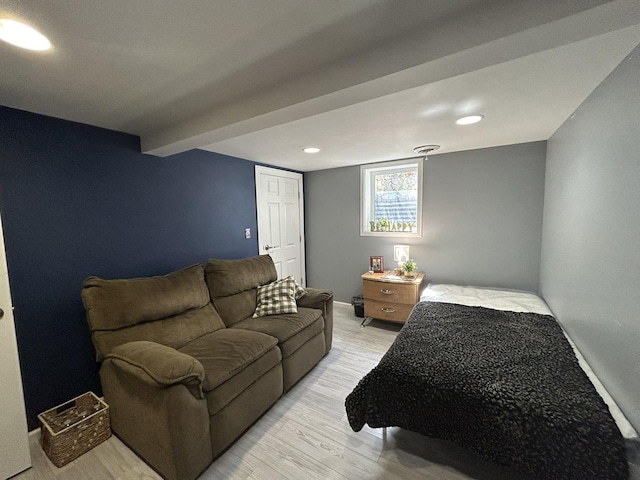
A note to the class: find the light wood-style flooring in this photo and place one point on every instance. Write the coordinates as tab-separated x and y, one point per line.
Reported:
305	435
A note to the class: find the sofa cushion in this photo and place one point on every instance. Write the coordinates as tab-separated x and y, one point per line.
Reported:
114	304
232	360
233	285
292	330
171	310
225	353
276	298
228	277
224	394
236	307
173	331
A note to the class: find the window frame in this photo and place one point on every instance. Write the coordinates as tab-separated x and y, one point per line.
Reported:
366	195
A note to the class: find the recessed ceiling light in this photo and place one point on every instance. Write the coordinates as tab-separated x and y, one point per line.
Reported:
22	35
469	120
311	150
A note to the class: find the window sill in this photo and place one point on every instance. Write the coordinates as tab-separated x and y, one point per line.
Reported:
391	234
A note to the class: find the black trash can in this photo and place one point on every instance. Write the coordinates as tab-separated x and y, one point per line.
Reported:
358	305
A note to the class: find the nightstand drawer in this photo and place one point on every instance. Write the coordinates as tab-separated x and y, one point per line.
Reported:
390	292
394	312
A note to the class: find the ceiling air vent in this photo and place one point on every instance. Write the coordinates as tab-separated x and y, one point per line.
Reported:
425	149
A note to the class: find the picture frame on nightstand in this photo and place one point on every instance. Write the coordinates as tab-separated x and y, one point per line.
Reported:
376	264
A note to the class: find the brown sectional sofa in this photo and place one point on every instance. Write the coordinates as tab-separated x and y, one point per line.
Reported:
186	369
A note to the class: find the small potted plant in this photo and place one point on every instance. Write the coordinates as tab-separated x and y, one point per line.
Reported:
409	268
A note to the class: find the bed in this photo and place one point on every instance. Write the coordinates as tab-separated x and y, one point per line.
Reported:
493	371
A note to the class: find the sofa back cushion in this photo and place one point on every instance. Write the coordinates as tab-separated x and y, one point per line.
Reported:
233	285
173	309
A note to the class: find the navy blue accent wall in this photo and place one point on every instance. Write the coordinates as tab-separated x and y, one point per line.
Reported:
78	200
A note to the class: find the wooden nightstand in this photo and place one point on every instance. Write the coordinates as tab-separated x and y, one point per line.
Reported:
389	297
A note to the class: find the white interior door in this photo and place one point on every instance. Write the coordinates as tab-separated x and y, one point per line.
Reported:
14	443
279	200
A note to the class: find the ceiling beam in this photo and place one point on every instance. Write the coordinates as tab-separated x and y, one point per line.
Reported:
494	33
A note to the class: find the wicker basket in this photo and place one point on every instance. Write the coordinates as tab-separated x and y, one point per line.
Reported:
73	428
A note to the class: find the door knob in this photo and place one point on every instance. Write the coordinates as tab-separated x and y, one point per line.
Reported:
268	247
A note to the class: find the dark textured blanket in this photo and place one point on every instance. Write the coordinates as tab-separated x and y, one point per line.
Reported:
506	385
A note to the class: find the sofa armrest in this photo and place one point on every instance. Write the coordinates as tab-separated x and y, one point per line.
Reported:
323	300
314	298
158	365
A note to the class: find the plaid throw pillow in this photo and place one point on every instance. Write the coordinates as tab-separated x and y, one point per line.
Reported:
277	297
300	291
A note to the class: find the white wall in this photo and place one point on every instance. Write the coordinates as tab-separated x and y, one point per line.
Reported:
482	218
590	262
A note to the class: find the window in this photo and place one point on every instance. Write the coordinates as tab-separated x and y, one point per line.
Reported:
391	198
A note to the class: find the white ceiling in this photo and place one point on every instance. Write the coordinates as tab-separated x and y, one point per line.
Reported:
364	80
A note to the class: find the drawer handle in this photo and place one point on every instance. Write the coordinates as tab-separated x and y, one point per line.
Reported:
387	310
387	292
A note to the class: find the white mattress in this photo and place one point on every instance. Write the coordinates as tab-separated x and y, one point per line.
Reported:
516	301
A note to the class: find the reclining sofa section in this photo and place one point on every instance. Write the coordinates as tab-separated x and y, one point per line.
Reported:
186	369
